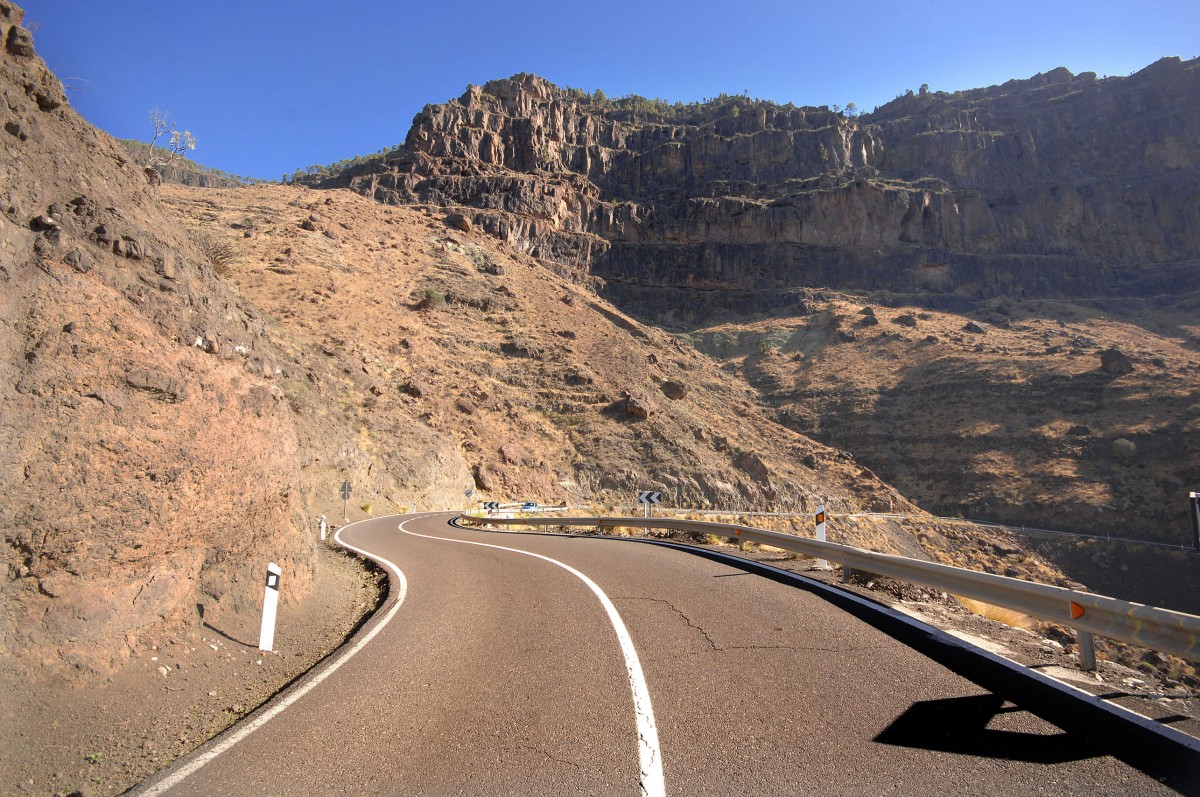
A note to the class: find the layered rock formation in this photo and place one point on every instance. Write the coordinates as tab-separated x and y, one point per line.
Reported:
1056	186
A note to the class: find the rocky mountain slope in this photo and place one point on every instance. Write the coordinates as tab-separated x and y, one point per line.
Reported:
1020	230
1058	186
191	373
1008	414
146	469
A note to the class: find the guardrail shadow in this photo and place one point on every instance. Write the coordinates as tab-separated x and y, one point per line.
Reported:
959	725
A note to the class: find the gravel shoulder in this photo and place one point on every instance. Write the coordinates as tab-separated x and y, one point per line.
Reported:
172	696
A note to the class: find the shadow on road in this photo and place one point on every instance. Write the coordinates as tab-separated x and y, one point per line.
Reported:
959	725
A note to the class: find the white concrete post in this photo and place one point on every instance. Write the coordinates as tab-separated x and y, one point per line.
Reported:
324	527
822	564
266	635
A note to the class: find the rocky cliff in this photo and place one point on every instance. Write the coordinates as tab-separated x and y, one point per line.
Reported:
1056	186
149	460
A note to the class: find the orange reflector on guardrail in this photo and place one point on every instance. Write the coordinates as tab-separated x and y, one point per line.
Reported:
1076	611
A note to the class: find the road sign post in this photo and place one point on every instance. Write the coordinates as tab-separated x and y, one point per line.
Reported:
346	500
649	499
266	634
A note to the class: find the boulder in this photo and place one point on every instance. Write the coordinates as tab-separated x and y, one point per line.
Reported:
485	478
675	390
972	326
513	454
78	261
414	388
459	222
1114	361
753	465
640	406
20	42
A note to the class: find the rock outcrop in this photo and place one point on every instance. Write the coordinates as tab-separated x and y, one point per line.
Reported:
1055	186
149	458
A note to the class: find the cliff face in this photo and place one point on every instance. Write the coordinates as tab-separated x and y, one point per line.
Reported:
1056	186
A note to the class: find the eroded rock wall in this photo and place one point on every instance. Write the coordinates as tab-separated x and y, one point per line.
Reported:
149	460
1056	186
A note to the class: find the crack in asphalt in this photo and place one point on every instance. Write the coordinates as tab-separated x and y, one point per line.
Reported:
726	648
683	616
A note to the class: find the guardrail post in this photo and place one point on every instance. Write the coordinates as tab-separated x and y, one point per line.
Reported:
1087	650
1195	500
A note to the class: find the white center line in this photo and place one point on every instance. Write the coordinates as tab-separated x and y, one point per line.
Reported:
652	782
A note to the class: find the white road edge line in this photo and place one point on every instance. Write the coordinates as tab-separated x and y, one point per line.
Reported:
241	731
652	782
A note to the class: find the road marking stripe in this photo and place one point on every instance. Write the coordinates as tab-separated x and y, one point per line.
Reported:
240	731
652	782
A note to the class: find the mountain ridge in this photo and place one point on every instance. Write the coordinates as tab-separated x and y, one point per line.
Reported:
763	202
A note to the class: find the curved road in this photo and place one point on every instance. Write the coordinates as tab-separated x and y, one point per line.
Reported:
504	673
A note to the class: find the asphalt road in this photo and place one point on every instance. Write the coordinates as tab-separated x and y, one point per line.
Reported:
503	673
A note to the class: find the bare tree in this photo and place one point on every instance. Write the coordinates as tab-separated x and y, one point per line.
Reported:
176	144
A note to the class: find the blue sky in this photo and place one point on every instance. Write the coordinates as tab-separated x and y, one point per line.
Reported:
268	87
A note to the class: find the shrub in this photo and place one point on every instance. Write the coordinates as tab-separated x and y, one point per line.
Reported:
1124	450
367	508
220	250
432	300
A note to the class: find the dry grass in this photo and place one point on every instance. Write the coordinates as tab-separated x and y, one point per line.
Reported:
1009	617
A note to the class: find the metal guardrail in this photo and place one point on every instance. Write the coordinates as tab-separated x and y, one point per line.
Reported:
1163	630
990	524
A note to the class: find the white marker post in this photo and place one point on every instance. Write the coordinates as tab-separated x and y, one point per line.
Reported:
324	527
822	564
266	636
